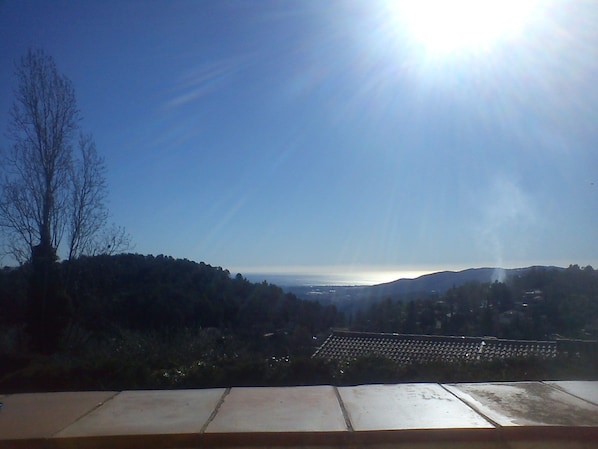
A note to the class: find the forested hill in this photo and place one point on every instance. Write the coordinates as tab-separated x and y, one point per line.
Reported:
147	293
537	303
133	321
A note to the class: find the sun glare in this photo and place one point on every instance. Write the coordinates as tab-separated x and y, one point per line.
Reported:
444	26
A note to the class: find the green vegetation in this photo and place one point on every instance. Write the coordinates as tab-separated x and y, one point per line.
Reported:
156	322
540	304
141	321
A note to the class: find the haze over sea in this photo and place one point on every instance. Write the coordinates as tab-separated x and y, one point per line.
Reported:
326	277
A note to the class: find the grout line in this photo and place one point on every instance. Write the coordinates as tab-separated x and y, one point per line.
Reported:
343	410
91	410
562	390
499	429
215	411
474	408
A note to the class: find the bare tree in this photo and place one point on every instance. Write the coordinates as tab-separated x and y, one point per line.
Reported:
88	195
88	232
112	240
43	119
48	192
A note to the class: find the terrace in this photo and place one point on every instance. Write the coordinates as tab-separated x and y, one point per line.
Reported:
428	415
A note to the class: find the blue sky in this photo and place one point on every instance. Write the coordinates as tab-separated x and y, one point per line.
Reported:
286	136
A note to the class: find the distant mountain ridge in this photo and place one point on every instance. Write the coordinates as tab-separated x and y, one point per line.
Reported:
438	282
441	281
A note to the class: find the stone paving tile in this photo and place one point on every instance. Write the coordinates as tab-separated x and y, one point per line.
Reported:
284	409
31	416
531	404
587	390
421	416
151	419
407	406
148	413
273	417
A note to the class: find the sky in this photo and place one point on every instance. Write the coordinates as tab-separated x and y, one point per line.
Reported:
280	136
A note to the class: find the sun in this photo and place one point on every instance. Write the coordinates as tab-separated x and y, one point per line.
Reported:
446	26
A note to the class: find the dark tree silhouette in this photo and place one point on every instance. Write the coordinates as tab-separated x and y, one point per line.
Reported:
47	192
35	186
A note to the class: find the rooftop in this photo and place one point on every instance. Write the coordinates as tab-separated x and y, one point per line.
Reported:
406	348
427	415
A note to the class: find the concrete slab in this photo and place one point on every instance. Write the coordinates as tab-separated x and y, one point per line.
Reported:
171	418
530	412
530	404
407	406
414	415
587	390
273	416
32	416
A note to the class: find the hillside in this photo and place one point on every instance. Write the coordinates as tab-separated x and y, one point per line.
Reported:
133	321
356	297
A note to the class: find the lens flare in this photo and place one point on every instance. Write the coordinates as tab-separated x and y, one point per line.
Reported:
442	26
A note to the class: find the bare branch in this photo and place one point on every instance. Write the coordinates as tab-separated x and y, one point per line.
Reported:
88	195
112	240
47	192
44	116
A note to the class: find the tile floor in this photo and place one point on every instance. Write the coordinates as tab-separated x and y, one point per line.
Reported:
521	415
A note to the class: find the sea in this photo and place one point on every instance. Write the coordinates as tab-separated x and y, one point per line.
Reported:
336	279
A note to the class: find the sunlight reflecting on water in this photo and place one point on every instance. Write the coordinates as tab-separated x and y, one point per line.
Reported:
326	276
